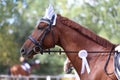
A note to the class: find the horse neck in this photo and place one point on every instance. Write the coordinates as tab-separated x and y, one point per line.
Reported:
72	40
74	36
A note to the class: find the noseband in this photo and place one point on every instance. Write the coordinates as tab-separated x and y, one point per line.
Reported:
38	44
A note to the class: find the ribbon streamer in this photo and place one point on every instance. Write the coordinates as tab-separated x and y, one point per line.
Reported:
83	54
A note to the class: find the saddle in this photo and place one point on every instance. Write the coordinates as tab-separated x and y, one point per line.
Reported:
117	64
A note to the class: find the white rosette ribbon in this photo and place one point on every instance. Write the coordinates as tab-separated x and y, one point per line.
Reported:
83	54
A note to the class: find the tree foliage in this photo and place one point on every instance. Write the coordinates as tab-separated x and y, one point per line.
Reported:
19	17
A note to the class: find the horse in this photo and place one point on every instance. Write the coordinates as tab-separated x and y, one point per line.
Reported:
23	69
54	29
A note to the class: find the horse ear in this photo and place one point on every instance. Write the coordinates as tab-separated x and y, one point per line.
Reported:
49	13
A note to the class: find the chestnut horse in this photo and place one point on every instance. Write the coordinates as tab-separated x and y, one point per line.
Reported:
71	36
22	69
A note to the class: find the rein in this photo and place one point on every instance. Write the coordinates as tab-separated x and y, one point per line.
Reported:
62	51
107	62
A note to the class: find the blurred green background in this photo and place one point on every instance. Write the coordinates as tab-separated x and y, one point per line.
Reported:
19	17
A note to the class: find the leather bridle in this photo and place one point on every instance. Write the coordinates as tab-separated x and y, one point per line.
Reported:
38	44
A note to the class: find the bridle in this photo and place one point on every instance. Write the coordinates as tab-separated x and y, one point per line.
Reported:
38	44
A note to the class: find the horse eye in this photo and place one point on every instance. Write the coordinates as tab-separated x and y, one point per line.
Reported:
41	28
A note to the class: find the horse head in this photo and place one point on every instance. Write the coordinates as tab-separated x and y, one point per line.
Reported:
44	35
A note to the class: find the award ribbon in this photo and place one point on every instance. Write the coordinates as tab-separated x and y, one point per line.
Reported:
83	54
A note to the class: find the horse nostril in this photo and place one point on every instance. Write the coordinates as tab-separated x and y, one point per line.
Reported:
22	51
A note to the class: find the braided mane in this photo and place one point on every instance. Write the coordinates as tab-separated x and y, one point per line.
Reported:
84	31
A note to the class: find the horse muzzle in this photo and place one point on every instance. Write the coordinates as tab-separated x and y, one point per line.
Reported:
27	54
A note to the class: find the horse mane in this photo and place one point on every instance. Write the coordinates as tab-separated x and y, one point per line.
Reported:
84	31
